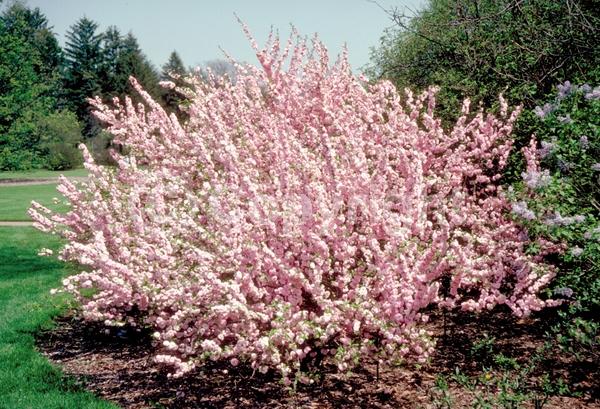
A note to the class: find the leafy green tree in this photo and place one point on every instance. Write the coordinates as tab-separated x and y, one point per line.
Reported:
82	71
32	26
60	134
479	48
27	85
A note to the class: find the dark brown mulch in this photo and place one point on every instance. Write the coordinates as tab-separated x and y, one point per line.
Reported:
117	366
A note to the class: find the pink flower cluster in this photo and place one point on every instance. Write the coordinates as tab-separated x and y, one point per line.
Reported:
299	214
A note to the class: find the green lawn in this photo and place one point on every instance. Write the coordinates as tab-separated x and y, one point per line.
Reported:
27	379
15	200
42	174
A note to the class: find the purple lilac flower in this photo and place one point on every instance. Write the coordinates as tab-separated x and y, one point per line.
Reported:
565	119
596	166
545	110
546	149
584	142
576	251
565	89
585	88
564	292
537	180
524	236
558	220
593	94
564	166
521	210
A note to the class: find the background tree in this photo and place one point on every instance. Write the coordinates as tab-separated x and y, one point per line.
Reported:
82	78
122	58
29	85
219	68
112	82
174	71
133	62
483	47
60	135
40	85
32	26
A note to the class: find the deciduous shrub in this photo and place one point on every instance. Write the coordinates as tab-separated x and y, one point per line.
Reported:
60	134
300	215
480	48
560	201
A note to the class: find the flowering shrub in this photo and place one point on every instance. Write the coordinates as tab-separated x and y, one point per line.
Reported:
559	192
300	215
563	205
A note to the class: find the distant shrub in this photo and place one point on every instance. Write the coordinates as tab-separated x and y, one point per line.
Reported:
16	160
60	134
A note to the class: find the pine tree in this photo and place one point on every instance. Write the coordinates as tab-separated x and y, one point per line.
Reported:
175	72
82	71
121	59
173	68
133	62
113	82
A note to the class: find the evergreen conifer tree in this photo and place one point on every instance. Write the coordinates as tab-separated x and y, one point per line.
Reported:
133	62
113	82
82	70
175	72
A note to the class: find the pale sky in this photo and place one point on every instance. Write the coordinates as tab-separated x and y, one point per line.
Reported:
197	28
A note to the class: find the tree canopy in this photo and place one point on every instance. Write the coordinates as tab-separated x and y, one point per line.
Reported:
29	69
484	47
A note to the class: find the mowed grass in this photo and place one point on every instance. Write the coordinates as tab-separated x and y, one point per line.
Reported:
15	200
27	379
43	174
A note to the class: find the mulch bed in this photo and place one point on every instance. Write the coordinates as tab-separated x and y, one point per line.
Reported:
119	368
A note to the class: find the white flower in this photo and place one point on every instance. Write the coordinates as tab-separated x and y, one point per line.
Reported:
45	252
170	345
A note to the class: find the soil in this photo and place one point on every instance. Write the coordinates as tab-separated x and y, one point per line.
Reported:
117	365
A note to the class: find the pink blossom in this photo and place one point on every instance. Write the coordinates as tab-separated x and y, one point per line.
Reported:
298	209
